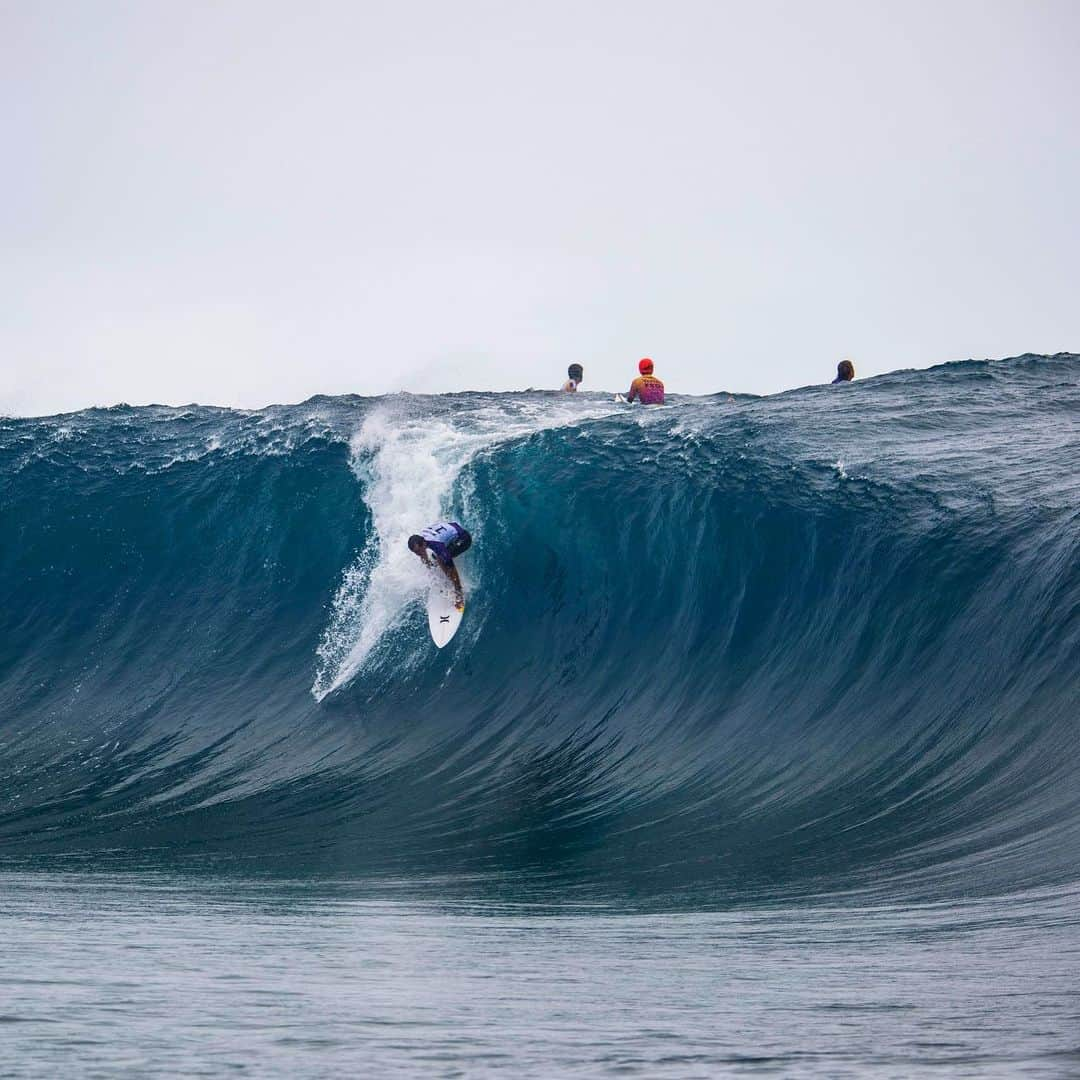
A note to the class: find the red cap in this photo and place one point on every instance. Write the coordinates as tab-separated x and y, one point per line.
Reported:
645	366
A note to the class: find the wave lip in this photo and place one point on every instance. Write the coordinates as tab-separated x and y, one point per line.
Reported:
724	651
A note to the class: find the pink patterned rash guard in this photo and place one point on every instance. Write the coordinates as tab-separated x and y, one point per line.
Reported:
647	389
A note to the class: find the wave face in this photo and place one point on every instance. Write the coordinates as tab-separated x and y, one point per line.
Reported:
723	651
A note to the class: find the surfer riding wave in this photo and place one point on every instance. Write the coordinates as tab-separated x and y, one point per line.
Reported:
445	540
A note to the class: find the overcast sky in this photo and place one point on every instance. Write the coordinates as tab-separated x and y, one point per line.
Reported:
248	201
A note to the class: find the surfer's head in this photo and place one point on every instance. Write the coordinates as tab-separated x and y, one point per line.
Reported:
845	370
576	372
417	544
645	366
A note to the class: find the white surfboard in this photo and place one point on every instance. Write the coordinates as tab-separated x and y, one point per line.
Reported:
443	617
619	398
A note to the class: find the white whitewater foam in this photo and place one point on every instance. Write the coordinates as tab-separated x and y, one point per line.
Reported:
408	466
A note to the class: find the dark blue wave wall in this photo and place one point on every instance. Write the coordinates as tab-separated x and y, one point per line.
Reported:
828	640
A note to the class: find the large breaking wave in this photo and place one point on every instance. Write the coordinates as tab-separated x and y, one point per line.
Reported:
728	649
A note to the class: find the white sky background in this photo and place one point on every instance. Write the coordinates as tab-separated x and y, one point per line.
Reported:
255	201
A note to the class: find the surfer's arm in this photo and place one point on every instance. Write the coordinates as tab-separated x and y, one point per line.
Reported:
632	392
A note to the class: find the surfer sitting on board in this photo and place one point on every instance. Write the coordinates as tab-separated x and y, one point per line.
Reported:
647	389
575	373
445	540
845	372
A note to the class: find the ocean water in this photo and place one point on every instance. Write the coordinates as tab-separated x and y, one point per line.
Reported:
756	752
156	976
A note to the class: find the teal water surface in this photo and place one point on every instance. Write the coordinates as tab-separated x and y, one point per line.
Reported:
151	976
